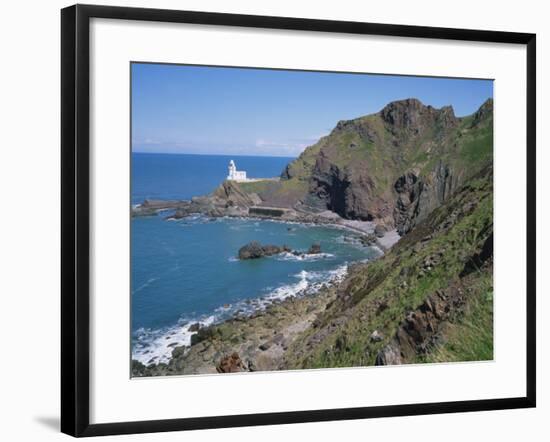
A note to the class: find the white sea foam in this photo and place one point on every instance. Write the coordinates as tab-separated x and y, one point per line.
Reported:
303	257
348	239
239	227
289	290
157	346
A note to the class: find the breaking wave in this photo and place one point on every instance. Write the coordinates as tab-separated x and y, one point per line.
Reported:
156	346
303	256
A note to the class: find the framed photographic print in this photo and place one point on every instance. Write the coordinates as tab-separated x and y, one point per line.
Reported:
314	220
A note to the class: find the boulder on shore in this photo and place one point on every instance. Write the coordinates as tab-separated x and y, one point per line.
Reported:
194	327
379	231
368	239
202	334
254	250
389	355
231	364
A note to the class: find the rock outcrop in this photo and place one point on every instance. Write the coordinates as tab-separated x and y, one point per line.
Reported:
254	250
423	329
231	194
415	118
315	249
417	196
231	364
152	207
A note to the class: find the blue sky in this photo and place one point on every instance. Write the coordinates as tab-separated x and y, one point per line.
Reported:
210	110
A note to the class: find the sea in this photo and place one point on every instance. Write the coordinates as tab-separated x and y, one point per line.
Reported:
186	272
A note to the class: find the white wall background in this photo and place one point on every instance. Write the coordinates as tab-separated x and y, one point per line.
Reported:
29	222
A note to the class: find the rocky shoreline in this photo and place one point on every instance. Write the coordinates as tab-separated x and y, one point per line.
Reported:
371	233
255	342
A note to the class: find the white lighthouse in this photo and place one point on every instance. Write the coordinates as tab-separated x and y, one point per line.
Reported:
234	174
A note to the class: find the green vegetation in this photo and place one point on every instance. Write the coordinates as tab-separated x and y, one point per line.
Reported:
476	150
471	338
301	167
258	187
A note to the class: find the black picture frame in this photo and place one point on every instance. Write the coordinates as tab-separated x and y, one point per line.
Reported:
75	212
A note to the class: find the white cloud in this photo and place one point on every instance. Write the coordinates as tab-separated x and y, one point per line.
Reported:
147	141
259	147
293	147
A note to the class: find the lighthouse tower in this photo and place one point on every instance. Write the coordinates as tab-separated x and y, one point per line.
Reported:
234	174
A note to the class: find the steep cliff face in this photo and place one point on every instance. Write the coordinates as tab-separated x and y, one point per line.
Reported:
394	166
348	191
465	151
230	193
417	196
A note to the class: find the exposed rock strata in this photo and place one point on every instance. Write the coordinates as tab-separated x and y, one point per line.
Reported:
418	196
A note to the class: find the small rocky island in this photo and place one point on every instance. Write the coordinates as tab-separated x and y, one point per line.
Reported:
254	250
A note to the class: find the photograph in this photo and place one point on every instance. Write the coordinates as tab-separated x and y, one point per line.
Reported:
290	220
275	221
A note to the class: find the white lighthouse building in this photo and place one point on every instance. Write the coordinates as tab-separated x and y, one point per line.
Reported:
234	174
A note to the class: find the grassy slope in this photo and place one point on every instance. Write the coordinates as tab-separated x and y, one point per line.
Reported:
399	282
278	193
471	146
471	338
257	186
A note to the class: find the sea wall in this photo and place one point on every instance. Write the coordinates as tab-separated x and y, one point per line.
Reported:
275	212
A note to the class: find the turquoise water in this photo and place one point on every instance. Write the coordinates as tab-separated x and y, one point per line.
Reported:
185	271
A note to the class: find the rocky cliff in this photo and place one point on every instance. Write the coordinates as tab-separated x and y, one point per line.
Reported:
394	166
